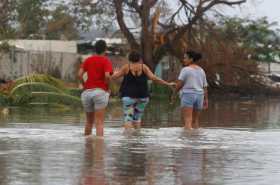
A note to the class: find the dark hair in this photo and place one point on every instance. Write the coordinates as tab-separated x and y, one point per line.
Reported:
100	46
195	56
134	56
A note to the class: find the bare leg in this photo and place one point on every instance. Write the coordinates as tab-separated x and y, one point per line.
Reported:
99	147
187	115
99	121
195	118
94	172
137	125
128	128
128	125
89	123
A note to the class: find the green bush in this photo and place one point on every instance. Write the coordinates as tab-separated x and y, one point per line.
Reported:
74	92
114	87
160	90
4	100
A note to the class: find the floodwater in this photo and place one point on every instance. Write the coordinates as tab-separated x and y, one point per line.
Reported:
238	144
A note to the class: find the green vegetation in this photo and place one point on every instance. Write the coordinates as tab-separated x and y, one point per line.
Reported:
30	16
160	91
47	79
40	89
44	19
231	46
257	35
4	99
232	49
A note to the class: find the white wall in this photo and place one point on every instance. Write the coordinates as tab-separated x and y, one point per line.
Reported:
20	63
274	67
46	45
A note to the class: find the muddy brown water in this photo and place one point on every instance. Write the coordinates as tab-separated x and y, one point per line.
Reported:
238	144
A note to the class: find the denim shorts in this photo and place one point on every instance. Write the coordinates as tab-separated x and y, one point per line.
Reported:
94	99
133	109
192	100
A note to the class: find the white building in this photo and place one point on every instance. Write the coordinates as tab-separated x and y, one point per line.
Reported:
111	41
45	45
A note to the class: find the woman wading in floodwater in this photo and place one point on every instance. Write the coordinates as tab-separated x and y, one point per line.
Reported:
192	85
134	89
95	96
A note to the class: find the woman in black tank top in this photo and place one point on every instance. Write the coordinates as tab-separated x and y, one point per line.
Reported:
133	85
134	89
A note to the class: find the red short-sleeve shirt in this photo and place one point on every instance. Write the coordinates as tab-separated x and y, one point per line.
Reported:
95	66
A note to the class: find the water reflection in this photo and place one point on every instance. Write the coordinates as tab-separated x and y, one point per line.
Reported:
238	144
200	162
190	167
254	113
130	161
153	156
94	172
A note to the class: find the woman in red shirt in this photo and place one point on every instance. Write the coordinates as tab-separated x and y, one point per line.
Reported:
95	96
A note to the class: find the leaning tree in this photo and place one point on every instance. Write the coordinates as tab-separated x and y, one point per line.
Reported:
157	26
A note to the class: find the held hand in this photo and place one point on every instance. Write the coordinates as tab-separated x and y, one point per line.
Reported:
172	99
81	86
172	85
110	92
117	70
205	104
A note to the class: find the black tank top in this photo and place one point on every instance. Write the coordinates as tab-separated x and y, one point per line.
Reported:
134	86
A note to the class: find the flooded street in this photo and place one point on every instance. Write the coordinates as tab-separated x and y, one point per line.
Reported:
238	144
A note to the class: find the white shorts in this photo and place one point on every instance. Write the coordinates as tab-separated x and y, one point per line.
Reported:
94	99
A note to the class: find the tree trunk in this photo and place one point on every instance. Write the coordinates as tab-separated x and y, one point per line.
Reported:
120	18
147	52
147	44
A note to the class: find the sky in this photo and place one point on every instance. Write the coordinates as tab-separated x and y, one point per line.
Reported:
252	9
260	8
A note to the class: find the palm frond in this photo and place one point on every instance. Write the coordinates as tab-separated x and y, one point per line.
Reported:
40	78
56	106
21	99
54	97
4	100
33	87
40	89
74	92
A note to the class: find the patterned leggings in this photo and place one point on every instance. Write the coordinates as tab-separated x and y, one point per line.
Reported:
134	108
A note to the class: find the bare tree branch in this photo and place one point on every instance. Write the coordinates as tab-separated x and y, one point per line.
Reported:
120	18
202	7
134	4
155	20
171	19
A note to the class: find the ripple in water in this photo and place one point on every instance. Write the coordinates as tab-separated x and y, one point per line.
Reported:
59	154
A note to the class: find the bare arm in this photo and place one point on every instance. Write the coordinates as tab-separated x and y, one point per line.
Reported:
80	75
205	102
107	77
153	77
179	85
